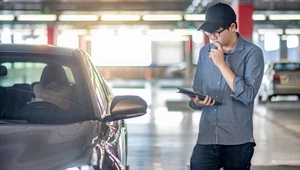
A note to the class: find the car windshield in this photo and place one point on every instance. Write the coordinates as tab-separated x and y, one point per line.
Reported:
41	89
287	66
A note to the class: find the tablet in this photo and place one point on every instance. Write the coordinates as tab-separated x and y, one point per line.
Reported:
192	93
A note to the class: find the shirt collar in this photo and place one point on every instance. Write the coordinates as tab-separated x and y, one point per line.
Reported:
238	46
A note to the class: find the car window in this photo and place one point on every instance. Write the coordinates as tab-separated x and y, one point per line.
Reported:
21	73
42	91
287	66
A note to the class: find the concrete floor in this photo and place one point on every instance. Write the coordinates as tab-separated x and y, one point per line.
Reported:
163	139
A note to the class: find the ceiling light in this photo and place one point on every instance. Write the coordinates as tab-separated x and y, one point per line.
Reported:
120	17
292	31
78	17
37	17
162	17
284	16
4	17
194	17
259	17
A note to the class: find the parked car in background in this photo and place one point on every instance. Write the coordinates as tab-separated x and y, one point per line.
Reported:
58	112
280	78
176	70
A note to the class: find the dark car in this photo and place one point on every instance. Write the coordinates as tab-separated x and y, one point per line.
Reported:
280	78
57	112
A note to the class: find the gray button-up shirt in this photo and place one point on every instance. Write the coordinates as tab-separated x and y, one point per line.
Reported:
232	122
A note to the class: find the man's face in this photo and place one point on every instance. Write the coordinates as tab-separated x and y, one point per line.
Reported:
221	36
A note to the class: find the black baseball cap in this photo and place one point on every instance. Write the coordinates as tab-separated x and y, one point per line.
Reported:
217	16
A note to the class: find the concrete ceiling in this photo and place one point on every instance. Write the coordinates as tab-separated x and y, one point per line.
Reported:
141	7
58	6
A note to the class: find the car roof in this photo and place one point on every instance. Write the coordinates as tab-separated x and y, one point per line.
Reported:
42	49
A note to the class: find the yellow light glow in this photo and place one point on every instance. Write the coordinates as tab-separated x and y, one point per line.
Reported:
7	17
78	17
37	17
162	17
284	16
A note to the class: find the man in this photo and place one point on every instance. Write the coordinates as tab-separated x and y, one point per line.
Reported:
230	71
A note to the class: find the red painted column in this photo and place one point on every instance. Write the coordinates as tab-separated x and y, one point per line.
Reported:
50	35
244	12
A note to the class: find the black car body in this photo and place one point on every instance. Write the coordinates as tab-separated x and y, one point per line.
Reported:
58	112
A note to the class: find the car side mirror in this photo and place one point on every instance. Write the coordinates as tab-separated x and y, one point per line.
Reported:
3	71
125	107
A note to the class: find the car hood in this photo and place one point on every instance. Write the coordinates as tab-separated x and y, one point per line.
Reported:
42	147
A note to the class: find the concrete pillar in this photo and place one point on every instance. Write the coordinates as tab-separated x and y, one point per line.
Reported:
244	11
283	47
189	59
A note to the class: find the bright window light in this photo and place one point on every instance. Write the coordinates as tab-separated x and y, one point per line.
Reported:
198	37
271	41
292	41
18	38
6	36
121	50
40	40
68	40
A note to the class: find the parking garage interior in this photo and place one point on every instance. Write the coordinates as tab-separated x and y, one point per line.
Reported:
151	47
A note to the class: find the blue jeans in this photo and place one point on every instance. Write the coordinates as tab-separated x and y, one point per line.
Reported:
214	157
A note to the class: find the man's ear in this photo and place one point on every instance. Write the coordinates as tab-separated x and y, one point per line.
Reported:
232	27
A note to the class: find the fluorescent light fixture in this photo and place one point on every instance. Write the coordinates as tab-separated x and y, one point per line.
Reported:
264	31
78	17
194	17
292	31
37	17
162	17
4	17
284	16
120	17
259	17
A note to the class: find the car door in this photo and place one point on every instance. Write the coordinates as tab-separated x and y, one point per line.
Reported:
111	132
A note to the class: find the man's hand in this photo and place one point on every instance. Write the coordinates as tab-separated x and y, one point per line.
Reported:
217	55
202	103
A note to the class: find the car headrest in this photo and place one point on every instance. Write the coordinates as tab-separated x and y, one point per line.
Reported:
3	70
54	73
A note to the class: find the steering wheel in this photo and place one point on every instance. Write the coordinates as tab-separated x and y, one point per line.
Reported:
42	112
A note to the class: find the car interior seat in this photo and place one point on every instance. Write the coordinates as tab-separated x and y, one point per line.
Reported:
54	87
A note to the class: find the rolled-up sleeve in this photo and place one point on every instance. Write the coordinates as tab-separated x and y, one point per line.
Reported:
246	88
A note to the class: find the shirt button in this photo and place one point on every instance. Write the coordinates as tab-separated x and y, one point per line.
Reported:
215	110
218	82
217	96
214	123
